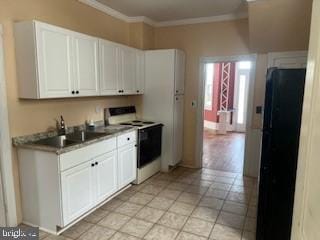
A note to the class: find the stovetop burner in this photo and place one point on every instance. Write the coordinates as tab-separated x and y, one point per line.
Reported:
136	121
125	123
148	122
137	125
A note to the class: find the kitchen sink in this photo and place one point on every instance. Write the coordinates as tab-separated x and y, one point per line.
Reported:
70	139
82	136
58	142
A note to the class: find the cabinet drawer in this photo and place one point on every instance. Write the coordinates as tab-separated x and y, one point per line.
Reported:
76	157
127	138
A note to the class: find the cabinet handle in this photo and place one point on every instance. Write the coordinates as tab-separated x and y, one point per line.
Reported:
96	163
128	139
177	91
177	99
77	92
92	164
138	91
119	91
72	92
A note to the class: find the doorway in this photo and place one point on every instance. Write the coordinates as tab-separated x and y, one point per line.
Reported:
226	91
225	111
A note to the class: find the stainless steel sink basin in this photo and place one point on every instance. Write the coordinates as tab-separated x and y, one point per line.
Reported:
58	142
82	136
70	139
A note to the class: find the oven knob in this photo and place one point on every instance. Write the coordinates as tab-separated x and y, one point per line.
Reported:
128	139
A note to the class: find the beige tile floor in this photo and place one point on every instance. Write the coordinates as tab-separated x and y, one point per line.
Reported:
185	204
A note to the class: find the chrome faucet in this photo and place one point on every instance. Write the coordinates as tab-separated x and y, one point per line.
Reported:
62	127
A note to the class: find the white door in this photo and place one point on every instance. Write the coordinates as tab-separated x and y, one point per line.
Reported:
106	175
86	65
140	72
241	89
54	55
127	70
109	68
179	72
177	129
127	165
77	191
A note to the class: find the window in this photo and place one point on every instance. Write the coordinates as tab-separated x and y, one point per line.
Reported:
241	101
209	86
244	65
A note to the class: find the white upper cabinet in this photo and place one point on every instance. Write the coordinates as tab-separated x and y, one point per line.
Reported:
140	71
109	65
127	83
53	62
86	65
179	72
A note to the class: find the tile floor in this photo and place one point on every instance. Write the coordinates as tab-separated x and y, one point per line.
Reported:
185	204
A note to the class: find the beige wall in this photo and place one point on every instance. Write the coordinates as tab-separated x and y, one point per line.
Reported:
30	116
279	25
201	40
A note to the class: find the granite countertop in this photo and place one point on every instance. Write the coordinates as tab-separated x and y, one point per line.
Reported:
29	141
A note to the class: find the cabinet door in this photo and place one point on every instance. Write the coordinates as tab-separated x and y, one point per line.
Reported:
77	191
127	70
86	65
106	175
54	56
140	72
178	129
179	72
109	64
127	165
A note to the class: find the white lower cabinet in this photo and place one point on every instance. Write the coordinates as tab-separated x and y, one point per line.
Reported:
57	190
88	184
127	164
106	175
77	191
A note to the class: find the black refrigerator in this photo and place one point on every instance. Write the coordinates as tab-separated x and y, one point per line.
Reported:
280	145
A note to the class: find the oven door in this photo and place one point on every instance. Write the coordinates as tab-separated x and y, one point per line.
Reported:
149	147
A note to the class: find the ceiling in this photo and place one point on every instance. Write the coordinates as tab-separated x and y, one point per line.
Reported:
172	10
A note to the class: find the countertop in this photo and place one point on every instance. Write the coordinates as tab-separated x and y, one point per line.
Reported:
28	142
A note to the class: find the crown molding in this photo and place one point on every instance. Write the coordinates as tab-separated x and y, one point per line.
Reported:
187	21
116	14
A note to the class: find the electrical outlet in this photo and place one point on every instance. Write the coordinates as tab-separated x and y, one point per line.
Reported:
98	109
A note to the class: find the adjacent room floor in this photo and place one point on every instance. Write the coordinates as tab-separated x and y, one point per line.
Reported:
223	152
185	204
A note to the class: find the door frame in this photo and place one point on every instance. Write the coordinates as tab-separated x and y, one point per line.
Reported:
201	91
9	194
309	129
